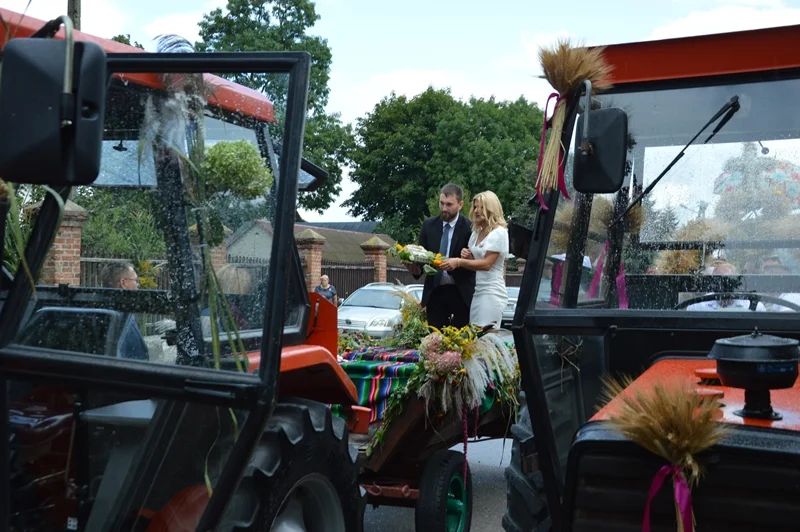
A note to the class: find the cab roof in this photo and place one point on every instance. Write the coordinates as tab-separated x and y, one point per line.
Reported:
227	95
720	54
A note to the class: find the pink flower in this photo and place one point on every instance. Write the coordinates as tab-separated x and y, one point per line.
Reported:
443	363
431	343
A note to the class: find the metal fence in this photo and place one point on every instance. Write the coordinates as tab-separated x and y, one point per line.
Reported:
347	277
91	268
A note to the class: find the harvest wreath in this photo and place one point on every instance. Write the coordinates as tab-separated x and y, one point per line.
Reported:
463	369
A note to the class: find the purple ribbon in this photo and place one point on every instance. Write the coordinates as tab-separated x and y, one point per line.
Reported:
683	496
622	289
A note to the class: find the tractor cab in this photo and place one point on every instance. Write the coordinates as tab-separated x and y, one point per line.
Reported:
692	246
150	284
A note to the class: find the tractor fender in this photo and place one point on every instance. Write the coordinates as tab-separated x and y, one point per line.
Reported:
311	372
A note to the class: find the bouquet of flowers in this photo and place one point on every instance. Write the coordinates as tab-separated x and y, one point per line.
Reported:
415	254
461	364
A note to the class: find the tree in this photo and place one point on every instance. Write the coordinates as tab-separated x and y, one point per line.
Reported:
390	163
490	145
408	148
126	39
281	25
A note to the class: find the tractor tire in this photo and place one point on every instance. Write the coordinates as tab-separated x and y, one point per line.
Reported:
526	501
445	498
302	473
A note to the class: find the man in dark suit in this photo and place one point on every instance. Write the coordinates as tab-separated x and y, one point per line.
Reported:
447	296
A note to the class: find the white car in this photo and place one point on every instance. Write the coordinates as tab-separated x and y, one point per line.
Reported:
373	309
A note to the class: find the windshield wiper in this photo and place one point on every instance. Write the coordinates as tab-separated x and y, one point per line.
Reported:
729	109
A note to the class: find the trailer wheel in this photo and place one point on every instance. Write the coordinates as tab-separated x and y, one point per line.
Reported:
526	502
445	498
303	475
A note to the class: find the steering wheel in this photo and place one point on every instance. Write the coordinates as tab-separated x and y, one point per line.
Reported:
753	297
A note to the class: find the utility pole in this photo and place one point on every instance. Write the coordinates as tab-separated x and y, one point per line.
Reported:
74	13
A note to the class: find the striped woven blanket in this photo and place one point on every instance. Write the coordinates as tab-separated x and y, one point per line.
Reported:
377	372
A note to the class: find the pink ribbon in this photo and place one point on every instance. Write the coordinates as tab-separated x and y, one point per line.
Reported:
594	287
555	285
562	184
683	496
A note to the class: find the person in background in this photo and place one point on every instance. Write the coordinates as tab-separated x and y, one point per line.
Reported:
722	267
119	275
774	266
327	290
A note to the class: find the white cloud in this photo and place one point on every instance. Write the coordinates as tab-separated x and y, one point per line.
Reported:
183	23
98	17
737	15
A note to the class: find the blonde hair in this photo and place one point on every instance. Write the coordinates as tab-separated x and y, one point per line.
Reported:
234	280
488	205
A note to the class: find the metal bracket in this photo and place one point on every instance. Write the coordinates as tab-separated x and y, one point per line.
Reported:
586	146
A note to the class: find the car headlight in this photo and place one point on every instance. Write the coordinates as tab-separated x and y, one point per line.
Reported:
379	322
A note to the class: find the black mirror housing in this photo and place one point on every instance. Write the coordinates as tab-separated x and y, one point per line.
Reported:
50	137
600	151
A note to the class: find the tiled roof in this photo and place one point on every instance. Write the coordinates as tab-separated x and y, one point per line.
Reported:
340	246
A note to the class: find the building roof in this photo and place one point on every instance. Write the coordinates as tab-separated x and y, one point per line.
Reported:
358	227
340	246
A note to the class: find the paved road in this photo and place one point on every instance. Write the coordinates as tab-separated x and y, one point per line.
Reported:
488	492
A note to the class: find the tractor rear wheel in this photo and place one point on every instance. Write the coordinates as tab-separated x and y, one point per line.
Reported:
526	506
303	476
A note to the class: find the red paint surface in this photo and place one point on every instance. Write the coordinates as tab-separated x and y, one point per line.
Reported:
226	94
786	402
705	55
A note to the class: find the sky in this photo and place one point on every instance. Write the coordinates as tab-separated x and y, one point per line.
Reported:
479	49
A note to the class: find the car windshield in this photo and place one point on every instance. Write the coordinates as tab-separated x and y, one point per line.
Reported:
167	254
370	297
720	224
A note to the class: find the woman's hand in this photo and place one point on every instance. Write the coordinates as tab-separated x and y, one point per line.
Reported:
466	253
449	265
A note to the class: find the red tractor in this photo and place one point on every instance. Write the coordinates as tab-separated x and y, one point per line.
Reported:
686	207
214	400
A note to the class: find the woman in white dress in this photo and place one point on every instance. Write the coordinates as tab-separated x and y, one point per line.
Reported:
486	256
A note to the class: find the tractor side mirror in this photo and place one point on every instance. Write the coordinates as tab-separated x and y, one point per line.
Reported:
600	149
52	108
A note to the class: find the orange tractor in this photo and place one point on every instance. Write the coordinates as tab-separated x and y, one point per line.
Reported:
202	403
686	206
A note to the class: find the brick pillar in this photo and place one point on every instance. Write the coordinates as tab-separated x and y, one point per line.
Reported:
309	245
218	254
375	251
63	262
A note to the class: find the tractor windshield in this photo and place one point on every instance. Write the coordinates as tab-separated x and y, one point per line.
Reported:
712	250
720	225
165	258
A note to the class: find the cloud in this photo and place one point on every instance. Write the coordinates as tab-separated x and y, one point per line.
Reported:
183	23
98	17
736	15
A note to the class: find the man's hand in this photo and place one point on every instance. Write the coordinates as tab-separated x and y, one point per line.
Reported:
466	253
449	265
